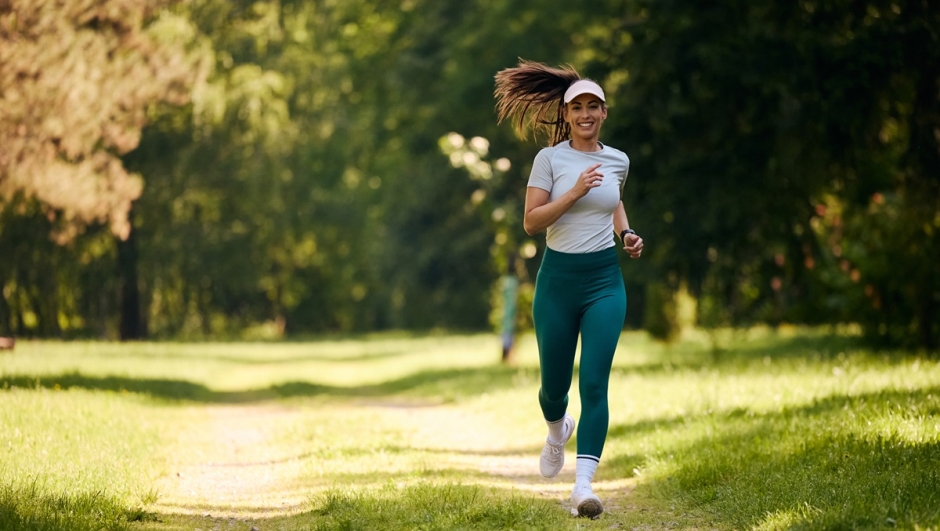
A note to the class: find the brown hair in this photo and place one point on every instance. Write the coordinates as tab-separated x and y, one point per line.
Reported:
535	87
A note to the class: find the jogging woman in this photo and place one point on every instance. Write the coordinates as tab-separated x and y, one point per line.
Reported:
573	193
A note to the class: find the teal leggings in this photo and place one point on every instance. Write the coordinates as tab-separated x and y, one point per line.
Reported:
579	294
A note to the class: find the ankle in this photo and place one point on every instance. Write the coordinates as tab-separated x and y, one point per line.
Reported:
580	484
557	431
586	468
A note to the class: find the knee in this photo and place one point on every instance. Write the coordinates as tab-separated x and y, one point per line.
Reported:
558	397
593	393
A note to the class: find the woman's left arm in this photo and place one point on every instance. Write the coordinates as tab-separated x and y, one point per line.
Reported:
632	243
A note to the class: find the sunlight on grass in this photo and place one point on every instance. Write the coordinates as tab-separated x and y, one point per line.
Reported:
841	431
30	507
773	430
207	368
71	440
785	519
427	506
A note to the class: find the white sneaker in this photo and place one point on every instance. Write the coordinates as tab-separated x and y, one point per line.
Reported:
585	502
553	454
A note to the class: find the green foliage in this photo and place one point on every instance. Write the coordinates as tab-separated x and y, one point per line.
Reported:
784	163
75	84
742	117
661	319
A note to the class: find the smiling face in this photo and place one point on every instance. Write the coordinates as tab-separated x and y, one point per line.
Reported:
585	114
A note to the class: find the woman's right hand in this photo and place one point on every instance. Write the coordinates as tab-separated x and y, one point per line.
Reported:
540	213
589	178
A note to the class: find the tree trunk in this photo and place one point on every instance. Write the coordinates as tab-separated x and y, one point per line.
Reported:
925	162
131	326
6	315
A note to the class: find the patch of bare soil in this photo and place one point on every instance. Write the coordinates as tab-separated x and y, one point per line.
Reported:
229	467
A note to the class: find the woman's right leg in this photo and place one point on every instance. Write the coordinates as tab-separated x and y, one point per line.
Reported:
556	330
557	326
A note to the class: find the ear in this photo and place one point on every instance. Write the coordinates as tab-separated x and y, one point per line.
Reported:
604	111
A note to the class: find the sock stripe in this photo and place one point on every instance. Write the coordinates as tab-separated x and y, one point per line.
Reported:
589	457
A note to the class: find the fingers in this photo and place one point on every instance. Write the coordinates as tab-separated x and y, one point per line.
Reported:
589	178
592	177
633	246
592	171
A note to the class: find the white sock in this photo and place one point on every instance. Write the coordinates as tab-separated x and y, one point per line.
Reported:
586	467
556	430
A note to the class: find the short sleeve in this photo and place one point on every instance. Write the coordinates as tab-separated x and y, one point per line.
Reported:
626	171
541	175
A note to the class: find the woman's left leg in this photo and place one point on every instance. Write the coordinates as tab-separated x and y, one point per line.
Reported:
601	325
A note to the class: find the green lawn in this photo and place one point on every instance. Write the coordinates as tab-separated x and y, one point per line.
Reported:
789	429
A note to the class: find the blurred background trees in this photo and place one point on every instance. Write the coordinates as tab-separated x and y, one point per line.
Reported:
335	166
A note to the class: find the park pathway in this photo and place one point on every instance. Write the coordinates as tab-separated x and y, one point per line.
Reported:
228	463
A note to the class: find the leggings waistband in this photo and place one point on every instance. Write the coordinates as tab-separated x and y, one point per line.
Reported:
554	262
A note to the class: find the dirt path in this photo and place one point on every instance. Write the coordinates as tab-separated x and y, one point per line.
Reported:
475	447
230	466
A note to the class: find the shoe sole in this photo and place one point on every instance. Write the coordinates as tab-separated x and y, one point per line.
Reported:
590	509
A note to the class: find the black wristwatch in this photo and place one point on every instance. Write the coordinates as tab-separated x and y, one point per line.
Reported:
625	232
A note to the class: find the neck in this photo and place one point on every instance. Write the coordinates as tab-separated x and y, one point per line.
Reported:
580	144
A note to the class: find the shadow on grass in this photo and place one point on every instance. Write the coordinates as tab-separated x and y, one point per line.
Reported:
812	347
818	466
753	354
448	383
171	354
420	505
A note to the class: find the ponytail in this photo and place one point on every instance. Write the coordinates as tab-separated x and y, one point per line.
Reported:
538	88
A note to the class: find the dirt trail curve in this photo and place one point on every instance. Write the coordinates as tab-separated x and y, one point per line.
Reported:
229	466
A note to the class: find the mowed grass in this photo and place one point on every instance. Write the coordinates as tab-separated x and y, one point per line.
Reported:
786	429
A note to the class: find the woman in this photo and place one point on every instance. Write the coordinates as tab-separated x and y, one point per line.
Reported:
573	193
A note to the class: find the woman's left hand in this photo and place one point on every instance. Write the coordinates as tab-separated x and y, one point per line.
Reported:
633	245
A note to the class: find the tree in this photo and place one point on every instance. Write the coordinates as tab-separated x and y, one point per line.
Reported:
76	78
766	132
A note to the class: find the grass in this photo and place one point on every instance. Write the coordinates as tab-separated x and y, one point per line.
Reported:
76	460
785	429
428	506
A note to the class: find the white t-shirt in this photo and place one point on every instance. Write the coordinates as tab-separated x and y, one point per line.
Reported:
588	226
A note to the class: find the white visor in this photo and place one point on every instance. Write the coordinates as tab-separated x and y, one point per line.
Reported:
584	86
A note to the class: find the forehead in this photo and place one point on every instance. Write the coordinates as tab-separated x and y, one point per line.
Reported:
584	99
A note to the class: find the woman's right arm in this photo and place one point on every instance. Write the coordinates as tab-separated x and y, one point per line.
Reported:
540	213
